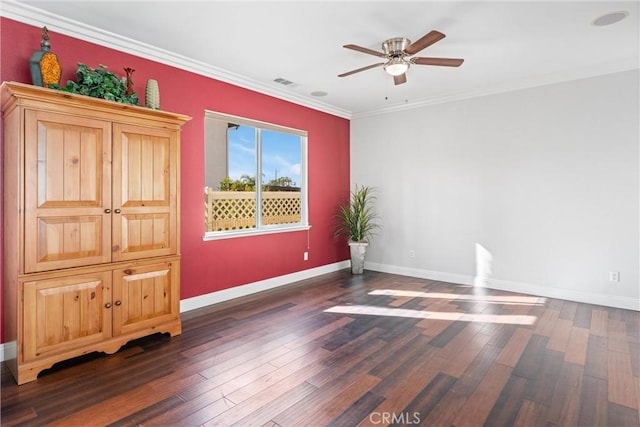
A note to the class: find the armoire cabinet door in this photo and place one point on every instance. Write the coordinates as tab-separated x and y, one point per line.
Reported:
61	314
67	191
144	192
145	296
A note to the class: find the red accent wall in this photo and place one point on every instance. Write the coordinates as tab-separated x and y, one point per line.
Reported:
215	265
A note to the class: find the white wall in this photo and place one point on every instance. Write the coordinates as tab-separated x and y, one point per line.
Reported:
534	190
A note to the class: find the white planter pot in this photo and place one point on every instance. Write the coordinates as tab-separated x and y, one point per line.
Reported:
358	251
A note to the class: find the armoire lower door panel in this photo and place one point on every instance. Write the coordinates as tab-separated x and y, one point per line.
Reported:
61	314
145	296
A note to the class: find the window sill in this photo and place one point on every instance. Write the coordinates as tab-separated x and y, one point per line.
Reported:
219	235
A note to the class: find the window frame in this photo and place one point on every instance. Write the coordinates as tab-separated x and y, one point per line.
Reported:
261	229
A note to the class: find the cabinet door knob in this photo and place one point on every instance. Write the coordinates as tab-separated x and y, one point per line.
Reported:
107	305
118	303
107	211
117	211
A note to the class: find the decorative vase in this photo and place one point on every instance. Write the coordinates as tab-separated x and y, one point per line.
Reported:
129	71
152	94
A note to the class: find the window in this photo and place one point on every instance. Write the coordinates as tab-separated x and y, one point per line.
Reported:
255	177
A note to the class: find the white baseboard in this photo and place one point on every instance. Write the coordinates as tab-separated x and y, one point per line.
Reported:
420	273
263	285
510	286
7	351
566	294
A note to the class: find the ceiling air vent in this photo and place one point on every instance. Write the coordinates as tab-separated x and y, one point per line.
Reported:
285	82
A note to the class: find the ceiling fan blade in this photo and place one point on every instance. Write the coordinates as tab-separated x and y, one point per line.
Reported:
398	80
445	62
427	40
365	50
368	67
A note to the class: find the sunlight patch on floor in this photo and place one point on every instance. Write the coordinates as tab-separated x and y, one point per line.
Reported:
492	299
434	315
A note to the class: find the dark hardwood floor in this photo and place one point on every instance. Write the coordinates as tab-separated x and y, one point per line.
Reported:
348	350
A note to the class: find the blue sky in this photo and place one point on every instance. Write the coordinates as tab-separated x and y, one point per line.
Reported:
280	154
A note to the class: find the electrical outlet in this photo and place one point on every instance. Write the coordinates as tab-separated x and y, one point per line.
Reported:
412	253
614	276
305	256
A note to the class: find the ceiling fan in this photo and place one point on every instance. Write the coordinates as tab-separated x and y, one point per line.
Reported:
397	51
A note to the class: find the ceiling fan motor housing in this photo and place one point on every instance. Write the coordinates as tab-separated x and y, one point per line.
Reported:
394	48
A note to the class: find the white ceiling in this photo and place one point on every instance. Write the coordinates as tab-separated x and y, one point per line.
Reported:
506	45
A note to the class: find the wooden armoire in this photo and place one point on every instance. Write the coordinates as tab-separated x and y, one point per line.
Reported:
91	225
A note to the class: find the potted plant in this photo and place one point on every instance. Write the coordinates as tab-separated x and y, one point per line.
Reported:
356	220
101	83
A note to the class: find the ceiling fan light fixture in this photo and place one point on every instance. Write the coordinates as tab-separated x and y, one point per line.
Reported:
396	66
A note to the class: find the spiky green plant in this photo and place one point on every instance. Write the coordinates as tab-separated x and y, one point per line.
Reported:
356	219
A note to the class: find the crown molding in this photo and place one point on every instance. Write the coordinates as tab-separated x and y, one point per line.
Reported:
37	17
544	80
